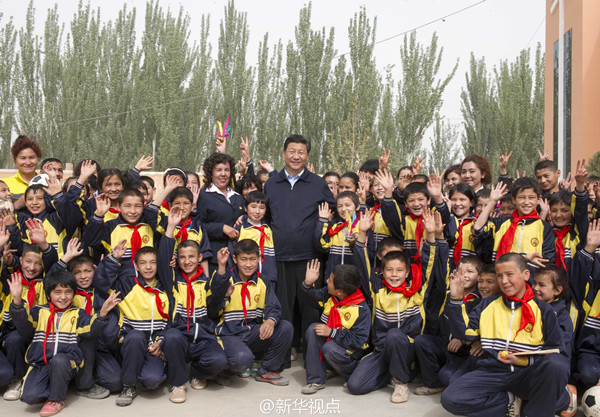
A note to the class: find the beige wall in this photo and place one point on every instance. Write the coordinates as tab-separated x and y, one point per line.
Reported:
582	17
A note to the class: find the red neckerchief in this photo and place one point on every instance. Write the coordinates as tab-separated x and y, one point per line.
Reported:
334	320
335	230
30	288
459	241
376	207
50	326
263	236
246	294
136	239
527	316
560	246
183	230
88	299
165	204
156	298
418	231
114	211
415	284
191	296
509	236
469	297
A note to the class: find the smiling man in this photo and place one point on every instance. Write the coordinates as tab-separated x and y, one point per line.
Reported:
294	197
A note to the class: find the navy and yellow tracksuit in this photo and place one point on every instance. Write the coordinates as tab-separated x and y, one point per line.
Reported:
575	238
267	267
191	318
403	227
345	346
332	239
143	320
468	239
531	236
241	318
496	322
54	356
397	320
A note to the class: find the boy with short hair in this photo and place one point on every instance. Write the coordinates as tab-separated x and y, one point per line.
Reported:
54	355
514	322
250	321
190	295
525	232
254	227
547	175
340	340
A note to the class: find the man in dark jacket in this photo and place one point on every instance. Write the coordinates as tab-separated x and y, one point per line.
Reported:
294	197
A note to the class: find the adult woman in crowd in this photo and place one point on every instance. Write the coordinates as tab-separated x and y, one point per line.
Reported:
26	154
475	170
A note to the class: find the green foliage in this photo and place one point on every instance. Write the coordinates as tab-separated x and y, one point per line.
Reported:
443	152
593	165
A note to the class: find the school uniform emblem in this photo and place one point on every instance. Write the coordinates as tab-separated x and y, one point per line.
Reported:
528	328
257	297
347	316
146	239
535	241
471	238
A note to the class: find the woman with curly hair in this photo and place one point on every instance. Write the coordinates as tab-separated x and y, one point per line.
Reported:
219	206
475	171
26	154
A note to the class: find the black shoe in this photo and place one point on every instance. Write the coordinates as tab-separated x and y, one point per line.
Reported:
126	396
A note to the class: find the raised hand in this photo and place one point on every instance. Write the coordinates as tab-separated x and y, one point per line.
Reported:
566	183
313	269
544	209
503	163
434	186
111	302
518	174
429	221
88	168
172	182
54	186
245	149
264	164
241	166
195	189
221	145
102	205
174	217
581	175
4	234
418	165
223	256
386	180
119	250
144	163
15	284
543	156
498	191
324	210
7	217
37	234
384	159
73	250
439	225
367	221
311	167
593	236
457	286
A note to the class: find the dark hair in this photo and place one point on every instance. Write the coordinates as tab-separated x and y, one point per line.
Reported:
257	197
246	246
525	183
30	247
396	255
137	183
483	165
506	198
81	260
193	174
262	171
421	177
388	242
472	260
518	259
545	164
212	161
59	279
557	197
149	180
349	194
559	279
346	278
45	161
246	182
331	174
416	188
181	192
144	250
297	139
353	177
484	193
130	192
24	142
370	165
488	269
175	171
34	187
190	244
466	190
93	179
507	181
107	173
449	170
402	169
66	186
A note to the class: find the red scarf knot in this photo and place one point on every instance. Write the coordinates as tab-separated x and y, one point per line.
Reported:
527	317
509	236
334	320
136	239
50	326
560	245
183	232
157	299
459	241
418	231
191	296
88	299
263	236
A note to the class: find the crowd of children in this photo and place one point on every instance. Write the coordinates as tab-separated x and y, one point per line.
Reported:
488	290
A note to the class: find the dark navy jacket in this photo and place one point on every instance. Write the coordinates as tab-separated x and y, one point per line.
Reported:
294	213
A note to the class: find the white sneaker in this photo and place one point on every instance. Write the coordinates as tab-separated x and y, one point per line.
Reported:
198	384
13	392
400	394
514	406
177	394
